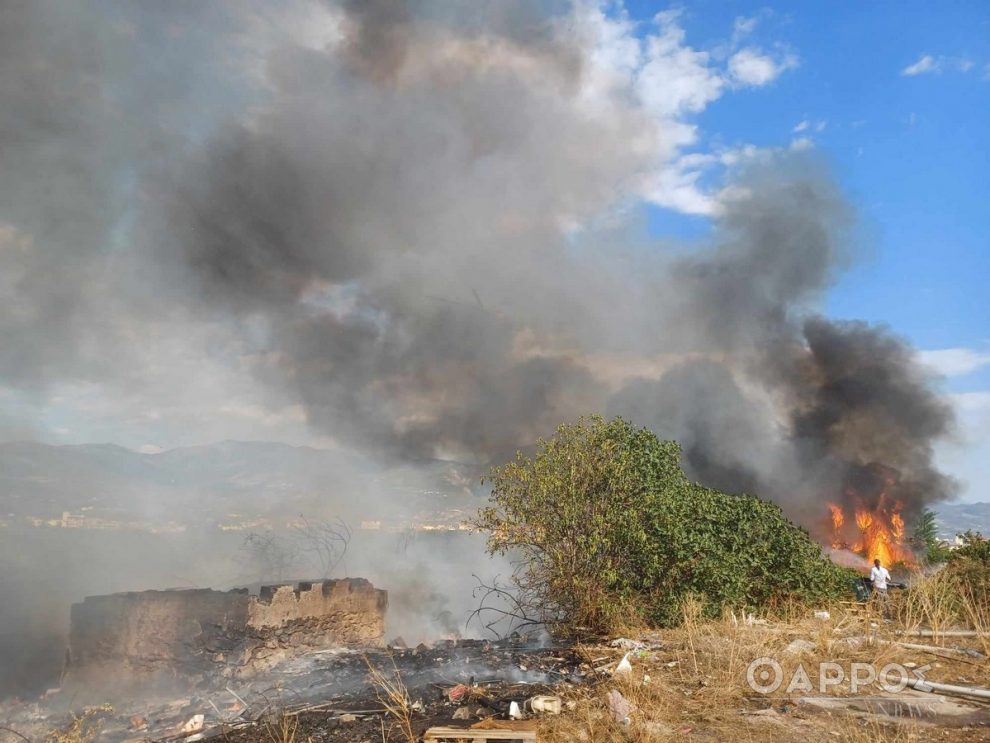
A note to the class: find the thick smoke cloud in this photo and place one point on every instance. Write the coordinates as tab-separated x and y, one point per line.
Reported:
54	208
416	221
796	407
415	228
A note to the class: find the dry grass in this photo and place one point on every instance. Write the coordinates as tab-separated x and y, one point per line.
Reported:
83	728
859	730
975	600
933	602
695	683
280	727
394	697
946	600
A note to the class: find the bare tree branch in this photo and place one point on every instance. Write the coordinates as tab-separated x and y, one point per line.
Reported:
326	541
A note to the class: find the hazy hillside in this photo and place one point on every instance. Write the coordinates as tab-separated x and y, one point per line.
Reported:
955	518
209	483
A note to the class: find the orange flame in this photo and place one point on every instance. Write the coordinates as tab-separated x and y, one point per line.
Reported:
897	526
838	518
878	538
864	519
879	532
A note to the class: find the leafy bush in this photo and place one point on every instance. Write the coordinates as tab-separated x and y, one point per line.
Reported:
604	528
974	547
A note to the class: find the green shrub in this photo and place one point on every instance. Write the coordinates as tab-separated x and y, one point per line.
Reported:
974	547
605	528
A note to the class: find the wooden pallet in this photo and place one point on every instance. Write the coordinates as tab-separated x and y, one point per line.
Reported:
483	735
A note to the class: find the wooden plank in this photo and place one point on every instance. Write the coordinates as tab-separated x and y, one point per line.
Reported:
479	735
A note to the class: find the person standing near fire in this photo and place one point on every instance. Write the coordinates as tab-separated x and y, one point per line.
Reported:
879	576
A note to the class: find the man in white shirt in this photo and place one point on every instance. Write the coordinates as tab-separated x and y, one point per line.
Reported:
879	576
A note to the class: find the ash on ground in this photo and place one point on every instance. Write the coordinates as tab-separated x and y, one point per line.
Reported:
330	694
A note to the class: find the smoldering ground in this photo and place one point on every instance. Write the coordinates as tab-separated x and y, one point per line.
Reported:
416	223
428	575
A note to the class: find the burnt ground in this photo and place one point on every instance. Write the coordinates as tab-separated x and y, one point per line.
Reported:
477	677
685	684
328	695
332	725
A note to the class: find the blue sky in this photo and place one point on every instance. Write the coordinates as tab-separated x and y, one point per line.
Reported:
896	97
911	151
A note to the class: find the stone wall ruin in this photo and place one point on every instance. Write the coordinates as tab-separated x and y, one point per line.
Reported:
161	640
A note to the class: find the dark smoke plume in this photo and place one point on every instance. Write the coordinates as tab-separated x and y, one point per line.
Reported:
412	220
797	405
391	216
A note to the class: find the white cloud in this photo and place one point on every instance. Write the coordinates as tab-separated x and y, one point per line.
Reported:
675	78
677	187
806	124
744	26
660	81
751	66
954	362
802	143
672	81
929	64
926	64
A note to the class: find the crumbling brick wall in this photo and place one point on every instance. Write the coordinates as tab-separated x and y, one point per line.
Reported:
157	640
284	621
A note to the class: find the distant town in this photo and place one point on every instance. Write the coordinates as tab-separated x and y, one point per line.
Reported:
89	518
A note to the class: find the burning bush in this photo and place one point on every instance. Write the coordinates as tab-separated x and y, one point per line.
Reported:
604	528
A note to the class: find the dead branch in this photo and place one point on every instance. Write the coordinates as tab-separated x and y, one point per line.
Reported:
327	541
499	604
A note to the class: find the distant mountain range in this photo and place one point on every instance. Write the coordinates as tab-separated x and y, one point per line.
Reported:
956	518
237	482
215	481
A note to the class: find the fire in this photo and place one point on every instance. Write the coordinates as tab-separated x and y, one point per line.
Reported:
838	518
873	526
868	518
897	526
880	538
